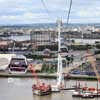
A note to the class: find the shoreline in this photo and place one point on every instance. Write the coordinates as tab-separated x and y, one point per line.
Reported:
45	75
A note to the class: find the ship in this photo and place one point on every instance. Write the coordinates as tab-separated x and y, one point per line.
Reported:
86	92
41	89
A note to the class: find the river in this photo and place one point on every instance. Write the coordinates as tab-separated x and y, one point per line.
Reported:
27	37
20	89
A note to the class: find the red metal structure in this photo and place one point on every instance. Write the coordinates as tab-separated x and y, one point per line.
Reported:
39	88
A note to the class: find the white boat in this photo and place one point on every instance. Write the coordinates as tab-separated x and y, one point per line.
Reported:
87	95
18	64
77	94
83	94
55	88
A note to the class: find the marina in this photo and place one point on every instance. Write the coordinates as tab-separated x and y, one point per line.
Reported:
21	88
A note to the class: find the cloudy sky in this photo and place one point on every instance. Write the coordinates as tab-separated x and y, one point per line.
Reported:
33	11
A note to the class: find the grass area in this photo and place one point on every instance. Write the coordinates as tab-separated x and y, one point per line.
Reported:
34	56
49	68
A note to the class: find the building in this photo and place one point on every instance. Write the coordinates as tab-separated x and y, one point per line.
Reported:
43	36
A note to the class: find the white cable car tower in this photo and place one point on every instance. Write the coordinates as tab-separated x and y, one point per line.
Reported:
59	70
60	78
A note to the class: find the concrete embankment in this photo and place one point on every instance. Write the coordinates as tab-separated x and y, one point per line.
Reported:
45	75
83	77
26	75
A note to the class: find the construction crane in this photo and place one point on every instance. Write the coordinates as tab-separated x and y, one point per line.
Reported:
31	68
40	88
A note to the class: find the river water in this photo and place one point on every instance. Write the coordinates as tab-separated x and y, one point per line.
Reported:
27	37
20	89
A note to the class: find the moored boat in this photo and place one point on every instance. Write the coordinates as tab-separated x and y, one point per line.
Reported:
77	94
55	88
41	89
87	95
86	92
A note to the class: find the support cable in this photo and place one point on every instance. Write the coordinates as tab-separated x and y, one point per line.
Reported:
69	11
46	9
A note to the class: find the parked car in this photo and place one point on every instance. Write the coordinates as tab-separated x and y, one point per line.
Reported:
90	73
76	72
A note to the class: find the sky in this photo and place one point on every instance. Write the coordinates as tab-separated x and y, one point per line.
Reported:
33	11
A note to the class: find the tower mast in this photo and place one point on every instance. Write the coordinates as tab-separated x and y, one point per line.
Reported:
59	70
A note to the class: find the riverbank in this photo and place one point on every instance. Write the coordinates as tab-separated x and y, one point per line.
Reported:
46	75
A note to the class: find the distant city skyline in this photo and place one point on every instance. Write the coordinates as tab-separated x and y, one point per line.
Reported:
33	11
